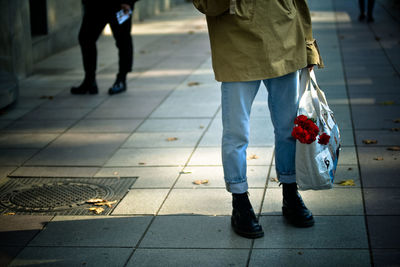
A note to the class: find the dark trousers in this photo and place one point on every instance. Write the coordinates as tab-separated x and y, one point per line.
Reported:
95	18
370	7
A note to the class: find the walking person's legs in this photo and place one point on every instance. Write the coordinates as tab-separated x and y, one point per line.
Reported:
92	25
237	99
123	41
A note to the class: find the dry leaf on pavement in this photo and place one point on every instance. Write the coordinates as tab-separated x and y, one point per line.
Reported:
199	182
275	180
369	141
185	172
193	84
396	120
9	214
142	163
388	103
349	182
254	156
169	139
394	148
98	210
378	158
395	129
106	203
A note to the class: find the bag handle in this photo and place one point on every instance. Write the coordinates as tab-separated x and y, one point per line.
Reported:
307	85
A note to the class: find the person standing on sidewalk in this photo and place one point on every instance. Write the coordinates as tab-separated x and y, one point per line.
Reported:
96	15
269	42
370	8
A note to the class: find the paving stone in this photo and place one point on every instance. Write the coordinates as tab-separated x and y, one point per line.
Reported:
185	108
384	138
55	172
338	232
342	116
15	157
25	140
310	257
153	177
13	114
347	156
379	117
79	149
74	101
338	201
379	173
106	126
4	123
164	139
169	125
41	126
384	231
205	202
256	177
386	257
193	232
382	201
94	231
140	111
7	254
4	171
189	257
347	137
141	201
72	256
18	230
61	114
150	157
212	156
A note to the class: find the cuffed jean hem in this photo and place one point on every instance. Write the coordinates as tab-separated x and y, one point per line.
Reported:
287	178
238	188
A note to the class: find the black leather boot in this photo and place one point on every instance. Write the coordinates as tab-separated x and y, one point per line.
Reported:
86	87
244	221
119	85
293	208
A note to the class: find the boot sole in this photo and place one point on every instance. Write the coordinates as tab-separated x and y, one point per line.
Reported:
251	235
294	222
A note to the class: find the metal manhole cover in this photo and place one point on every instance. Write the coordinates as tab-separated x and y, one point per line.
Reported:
60	196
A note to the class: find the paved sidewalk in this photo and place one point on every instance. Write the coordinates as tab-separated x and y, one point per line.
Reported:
164	133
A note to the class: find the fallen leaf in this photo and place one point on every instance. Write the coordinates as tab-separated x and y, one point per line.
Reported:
349	169
396	120
95	200
106	203
395	129
199	182
394	148
254	156
47	97
388	103
190	32
378	158
185	172
274	180
300	253
142	163
349	182
9	214
193	83
115	173
201	126
169	139
97	210
369	141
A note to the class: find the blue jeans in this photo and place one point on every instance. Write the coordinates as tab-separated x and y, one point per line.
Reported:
237	99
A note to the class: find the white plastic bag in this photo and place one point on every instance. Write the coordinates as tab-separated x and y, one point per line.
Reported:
316	163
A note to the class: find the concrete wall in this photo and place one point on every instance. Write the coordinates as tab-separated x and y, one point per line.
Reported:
19	50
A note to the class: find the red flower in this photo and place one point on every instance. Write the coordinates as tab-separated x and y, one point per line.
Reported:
324	139
306	131
300	119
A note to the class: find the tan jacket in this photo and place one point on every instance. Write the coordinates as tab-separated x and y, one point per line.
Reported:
259	39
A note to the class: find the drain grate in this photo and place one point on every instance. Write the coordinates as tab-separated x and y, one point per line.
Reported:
60	196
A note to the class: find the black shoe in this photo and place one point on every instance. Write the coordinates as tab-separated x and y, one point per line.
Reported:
244	221
84	88
118	87
361	17
293	208
370	19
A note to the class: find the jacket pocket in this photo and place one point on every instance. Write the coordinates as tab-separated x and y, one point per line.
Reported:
245	9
